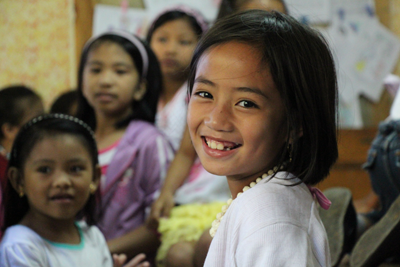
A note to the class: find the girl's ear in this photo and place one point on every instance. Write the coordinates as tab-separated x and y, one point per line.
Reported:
16	180
9	131
96	179
140	91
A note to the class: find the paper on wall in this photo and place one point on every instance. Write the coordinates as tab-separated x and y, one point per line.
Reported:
310	11
107	17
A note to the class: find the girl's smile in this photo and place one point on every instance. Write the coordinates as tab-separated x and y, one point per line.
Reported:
236	116
220	144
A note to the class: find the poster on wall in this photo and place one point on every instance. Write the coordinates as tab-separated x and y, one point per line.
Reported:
365	54
310	11
106	17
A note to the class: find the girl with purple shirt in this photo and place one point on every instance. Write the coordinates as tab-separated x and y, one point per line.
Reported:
119	84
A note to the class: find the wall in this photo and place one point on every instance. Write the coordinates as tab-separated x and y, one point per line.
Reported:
37	45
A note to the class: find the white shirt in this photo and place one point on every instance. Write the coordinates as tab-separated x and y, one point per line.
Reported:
272	224
22	247
171	119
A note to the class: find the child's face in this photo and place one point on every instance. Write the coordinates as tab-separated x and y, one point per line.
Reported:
110	80
174	43
236	116
56	177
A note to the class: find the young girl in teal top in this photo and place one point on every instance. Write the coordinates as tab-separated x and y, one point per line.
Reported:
50	198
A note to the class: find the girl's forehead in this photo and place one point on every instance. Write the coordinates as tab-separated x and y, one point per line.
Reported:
234	63
106	46
108	52
56	145
179	25
241	52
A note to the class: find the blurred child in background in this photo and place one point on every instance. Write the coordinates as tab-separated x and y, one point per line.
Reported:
173	36
18	104
119	83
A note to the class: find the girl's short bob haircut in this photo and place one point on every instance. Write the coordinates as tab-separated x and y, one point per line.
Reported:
145	62
34	131
303	70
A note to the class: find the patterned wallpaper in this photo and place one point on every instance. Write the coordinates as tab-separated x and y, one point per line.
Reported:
37	45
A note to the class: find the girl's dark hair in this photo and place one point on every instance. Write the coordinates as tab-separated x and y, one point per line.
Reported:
146	108
174	15
65	102
12	110
228	7
303	70
37	129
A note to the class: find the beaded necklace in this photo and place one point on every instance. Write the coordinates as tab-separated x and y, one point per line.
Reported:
224	208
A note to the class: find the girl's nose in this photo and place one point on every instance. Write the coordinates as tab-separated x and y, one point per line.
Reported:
220	118
171	47
62	180
106	77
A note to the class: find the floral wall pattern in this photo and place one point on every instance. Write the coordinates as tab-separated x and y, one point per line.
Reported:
37	45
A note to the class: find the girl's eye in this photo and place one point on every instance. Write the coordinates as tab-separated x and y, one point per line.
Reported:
247	104
185	42
204	94
44	169
162	39
95	70
76	169
121	72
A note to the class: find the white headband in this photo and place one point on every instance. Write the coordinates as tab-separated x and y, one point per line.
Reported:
130	37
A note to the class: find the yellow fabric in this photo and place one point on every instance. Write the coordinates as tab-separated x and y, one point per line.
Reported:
186	223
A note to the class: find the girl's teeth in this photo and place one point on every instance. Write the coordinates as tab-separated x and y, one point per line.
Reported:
215	145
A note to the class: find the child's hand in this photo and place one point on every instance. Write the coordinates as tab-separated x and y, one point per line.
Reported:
119	260
160	208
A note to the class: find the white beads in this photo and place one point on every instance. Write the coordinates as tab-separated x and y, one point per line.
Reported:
224	208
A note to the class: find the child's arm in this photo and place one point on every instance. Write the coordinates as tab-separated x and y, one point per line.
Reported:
176	175
140	240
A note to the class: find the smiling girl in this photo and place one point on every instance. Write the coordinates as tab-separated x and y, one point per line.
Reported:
263	113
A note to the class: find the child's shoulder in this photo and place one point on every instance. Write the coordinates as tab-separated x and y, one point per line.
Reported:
284	196
19	237
19	233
